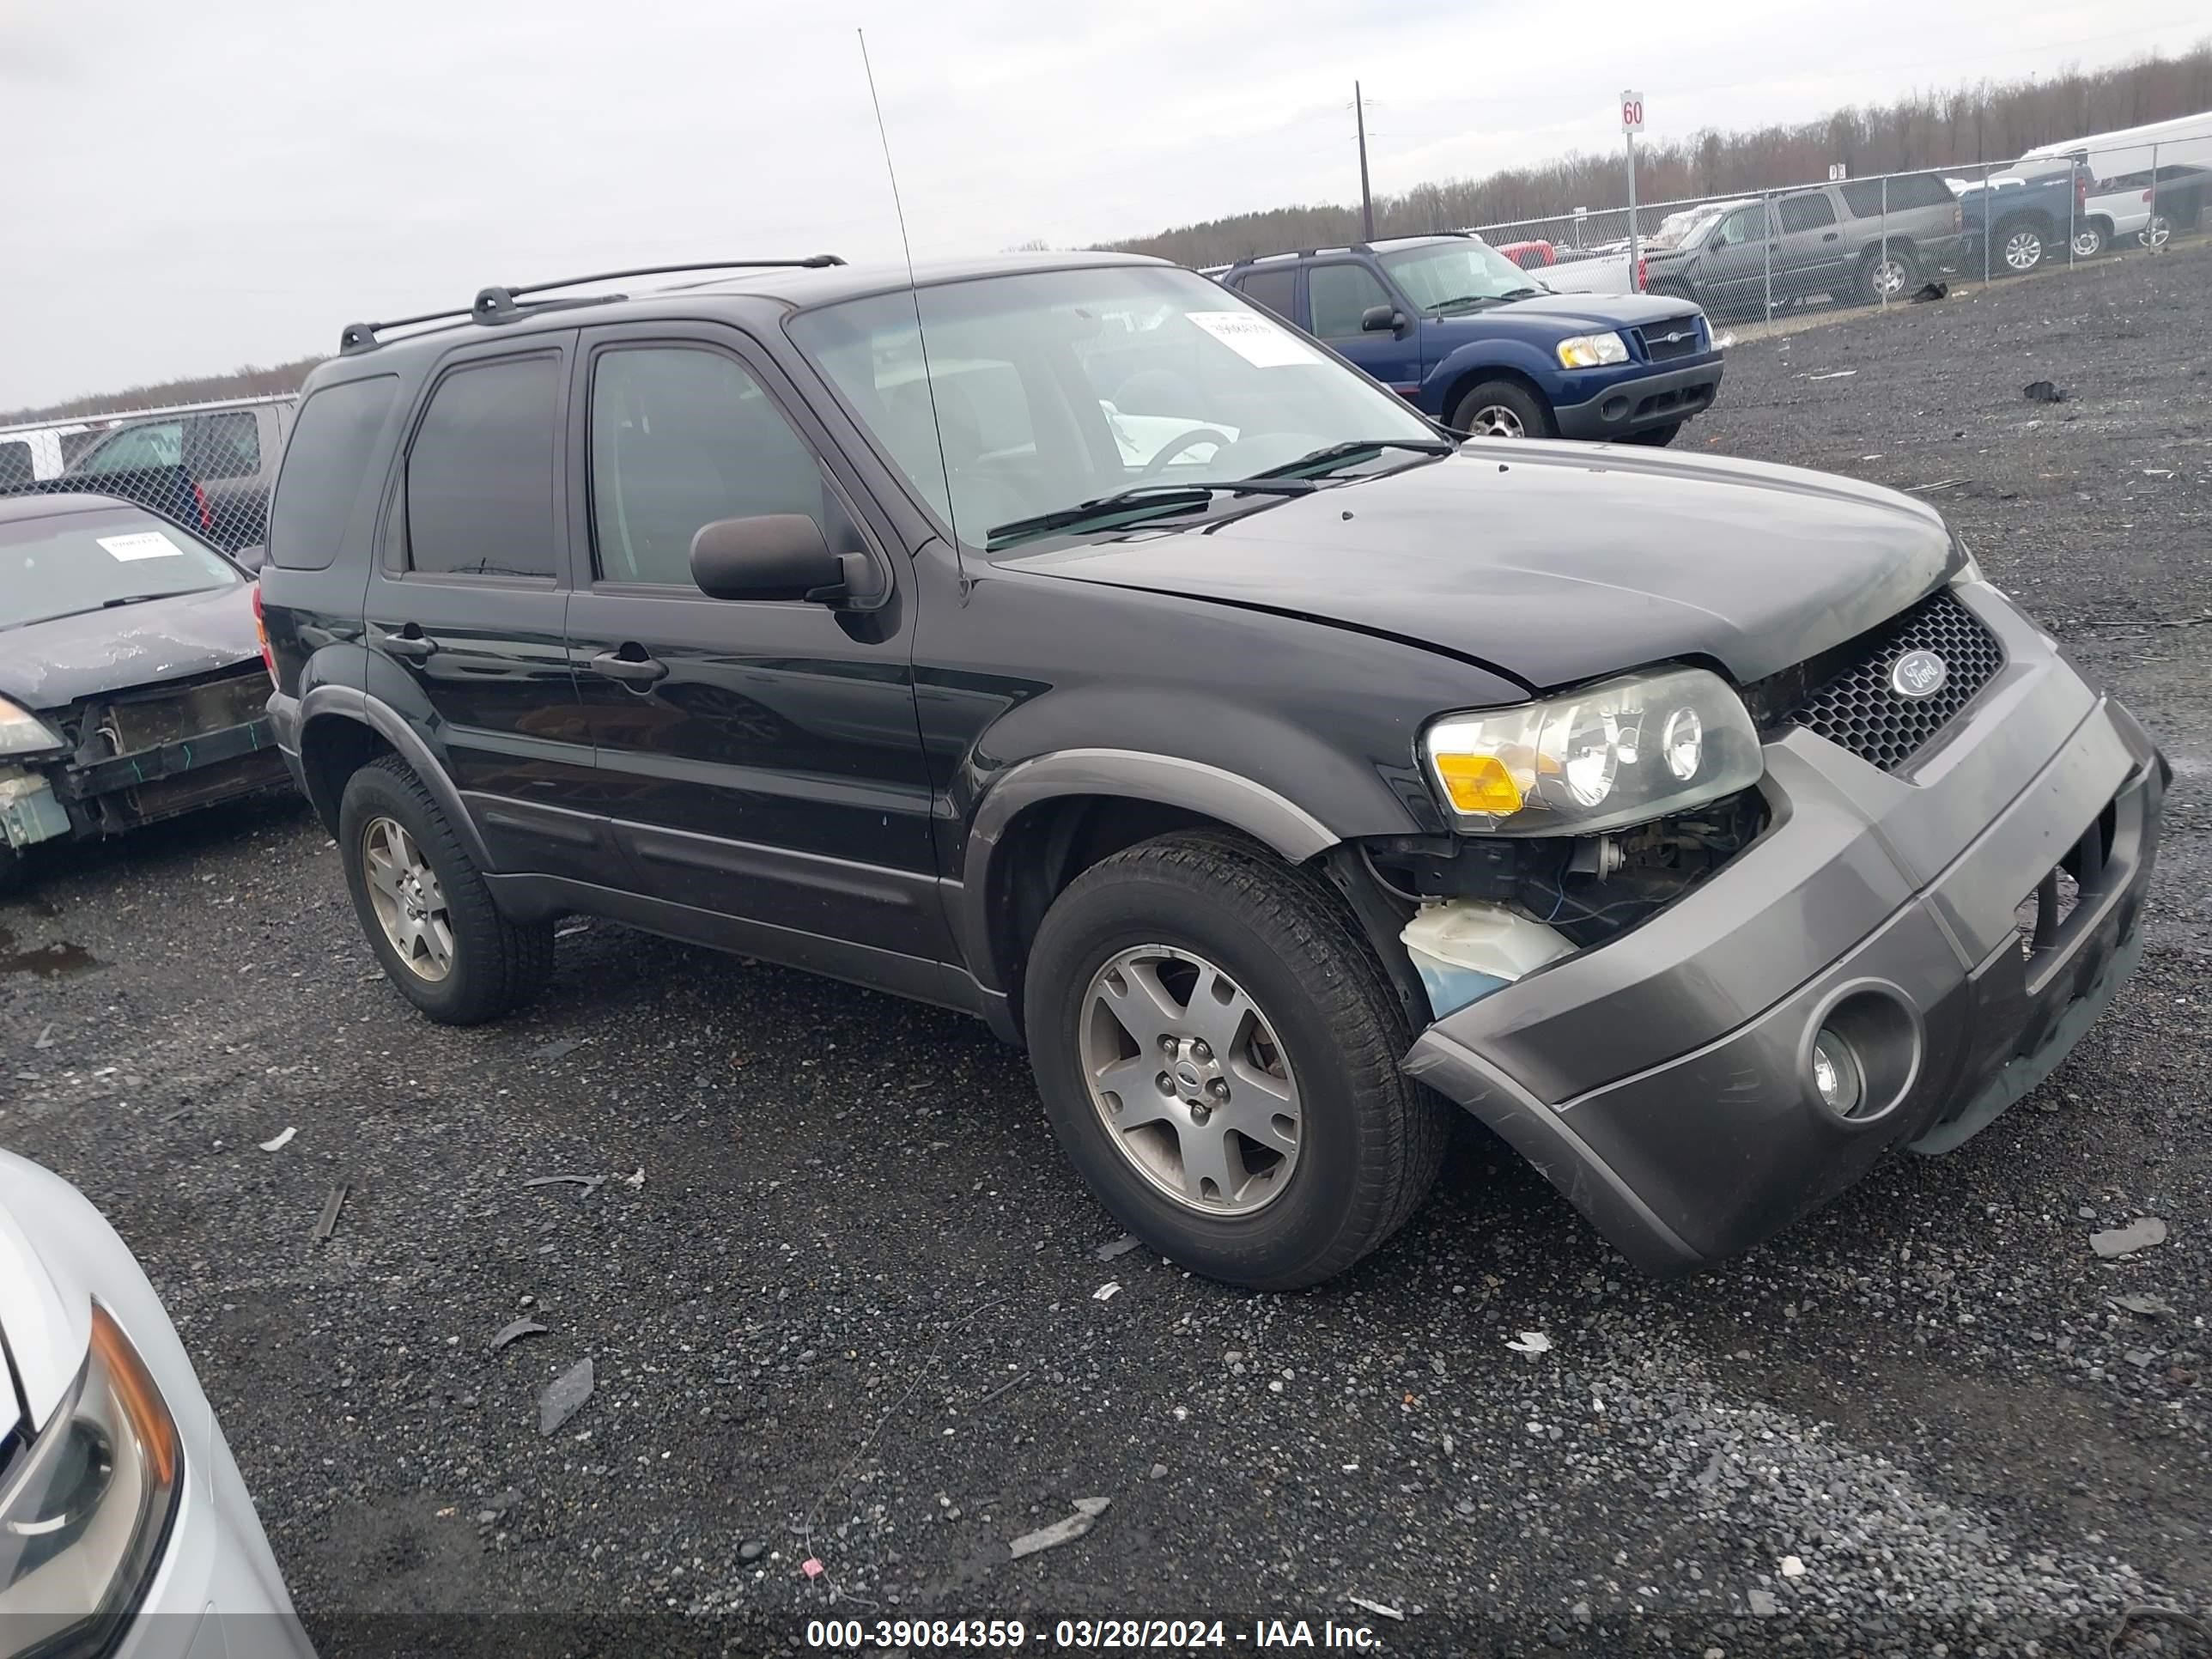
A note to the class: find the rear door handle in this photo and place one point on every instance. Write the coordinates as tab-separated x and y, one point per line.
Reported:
1831	236
633	671
409	647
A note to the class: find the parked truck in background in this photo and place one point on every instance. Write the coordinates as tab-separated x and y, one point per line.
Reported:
2024	216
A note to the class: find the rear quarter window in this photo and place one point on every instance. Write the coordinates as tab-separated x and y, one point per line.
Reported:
333	441
1906	192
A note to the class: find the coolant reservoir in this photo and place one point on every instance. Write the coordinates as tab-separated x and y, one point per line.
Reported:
1465	948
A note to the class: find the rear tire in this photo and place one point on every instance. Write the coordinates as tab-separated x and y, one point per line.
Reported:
1503	408
2157	232
1310	1047
1891	279
2089	239
465	962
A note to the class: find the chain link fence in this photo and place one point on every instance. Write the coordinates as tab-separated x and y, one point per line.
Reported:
1878	241
206	467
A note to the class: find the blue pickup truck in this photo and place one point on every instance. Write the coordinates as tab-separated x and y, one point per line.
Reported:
2035	209
1474	341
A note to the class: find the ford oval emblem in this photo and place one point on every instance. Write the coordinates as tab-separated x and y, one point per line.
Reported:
1918	674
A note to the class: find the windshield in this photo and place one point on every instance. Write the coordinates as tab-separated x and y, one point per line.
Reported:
77	562
1447	276
1680	229
1054	388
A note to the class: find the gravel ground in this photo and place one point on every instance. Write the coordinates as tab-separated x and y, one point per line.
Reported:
848	1302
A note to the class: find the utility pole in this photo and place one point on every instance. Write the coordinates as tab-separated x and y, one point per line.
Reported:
1366	198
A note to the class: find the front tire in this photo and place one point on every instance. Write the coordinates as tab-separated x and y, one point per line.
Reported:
2157	232
1502	409
425	909
1285	1144
2021	246
2089	239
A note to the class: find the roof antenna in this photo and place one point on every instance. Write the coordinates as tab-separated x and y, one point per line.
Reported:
914	291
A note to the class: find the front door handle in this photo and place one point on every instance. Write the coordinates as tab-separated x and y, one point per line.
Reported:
1831	235
413	646
632	671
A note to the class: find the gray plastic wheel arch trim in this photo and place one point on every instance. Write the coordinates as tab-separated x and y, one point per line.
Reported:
350	703
1258	811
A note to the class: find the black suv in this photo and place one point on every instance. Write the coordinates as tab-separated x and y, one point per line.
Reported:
1064	640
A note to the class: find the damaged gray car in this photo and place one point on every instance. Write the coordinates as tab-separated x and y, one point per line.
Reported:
131	674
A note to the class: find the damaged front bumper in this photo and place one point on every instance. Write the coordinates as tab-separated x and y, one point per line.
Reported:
1663	1081
136	756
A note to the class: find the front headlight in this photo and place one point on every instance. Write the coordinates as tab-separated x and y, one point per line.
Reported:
88	1506
1622	752
1592	351
22	732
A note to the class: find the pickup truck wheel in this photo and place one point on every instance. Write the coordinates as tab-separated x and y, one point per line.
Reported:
2157	232
425	909
1887	278
2089	239
2020	245
1503	408
1217	1047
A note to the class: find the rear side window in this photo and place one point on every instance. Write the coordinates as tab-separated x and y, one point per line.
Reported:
480	471
1863	196
331	446
1806	212
1271	288
137	448
16	466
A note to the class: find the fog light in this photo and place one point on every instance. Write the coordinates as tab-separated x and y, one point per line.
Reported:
1836	1075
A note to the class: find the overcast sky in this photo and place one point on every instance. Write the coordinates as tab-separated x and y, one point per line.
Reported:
190	187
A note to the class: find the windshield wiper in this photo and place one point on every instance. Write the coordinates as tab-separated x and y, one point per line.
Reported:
1519	293
141	598
1163	496
1351	449
1442	306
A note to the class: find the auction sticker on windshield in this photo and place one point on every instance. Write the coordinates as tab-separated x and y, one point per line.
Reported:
1253	338
141	545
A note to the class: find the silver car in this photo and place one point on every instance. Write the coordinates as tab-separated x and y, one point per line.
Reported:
124	1525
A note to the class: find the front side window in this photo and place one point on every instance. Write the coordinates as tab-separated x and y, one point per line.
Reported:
480	471
1739	228
158	443
1339	295
1052	388
226	446
1460	274
681	437
1807	212
75	562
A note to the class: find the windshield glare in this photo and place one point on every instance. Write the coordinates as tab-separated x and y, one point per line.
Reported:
1054	388
78	561
1436	273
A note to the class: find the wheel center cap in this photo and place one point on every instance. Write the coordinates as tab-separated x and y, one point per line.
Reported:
1188	1077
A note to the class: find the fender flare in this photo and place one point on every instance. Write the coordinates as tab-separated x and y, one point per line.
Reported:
1135	775
350	703
1515	358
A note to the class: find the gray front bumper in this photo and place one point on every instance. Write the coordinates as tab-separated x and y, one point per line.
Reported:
1661	1081
1657	400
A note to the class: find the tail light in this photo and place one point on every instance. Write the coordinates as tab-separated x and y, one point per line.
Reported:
2081	188
261	633
2146	196
1643	274
207	513
1958	216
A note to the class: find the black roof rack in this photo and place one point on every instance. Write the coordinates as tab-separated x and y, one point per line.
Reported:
504	304
1349	247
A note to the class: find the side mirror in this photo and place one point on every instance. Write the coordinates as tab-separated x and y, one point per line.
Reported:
249	559
780	555
1382	320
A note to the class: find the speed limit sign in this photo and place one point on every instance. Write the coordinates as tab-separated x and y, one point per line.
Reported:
1632	112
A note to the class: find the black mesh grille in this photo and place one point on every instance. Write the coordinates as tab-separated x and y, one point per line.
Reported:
1659	348
1859	709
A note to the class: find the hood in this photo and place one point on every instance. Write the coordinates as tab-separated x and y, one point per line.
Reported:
1560	562
50	664
1555	316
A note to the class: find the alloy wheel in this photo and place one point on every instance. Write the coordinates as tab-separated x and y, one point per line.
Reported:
2023	250
2088	243
1889	277
2155	233
406	894
1190	1081
1496	421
